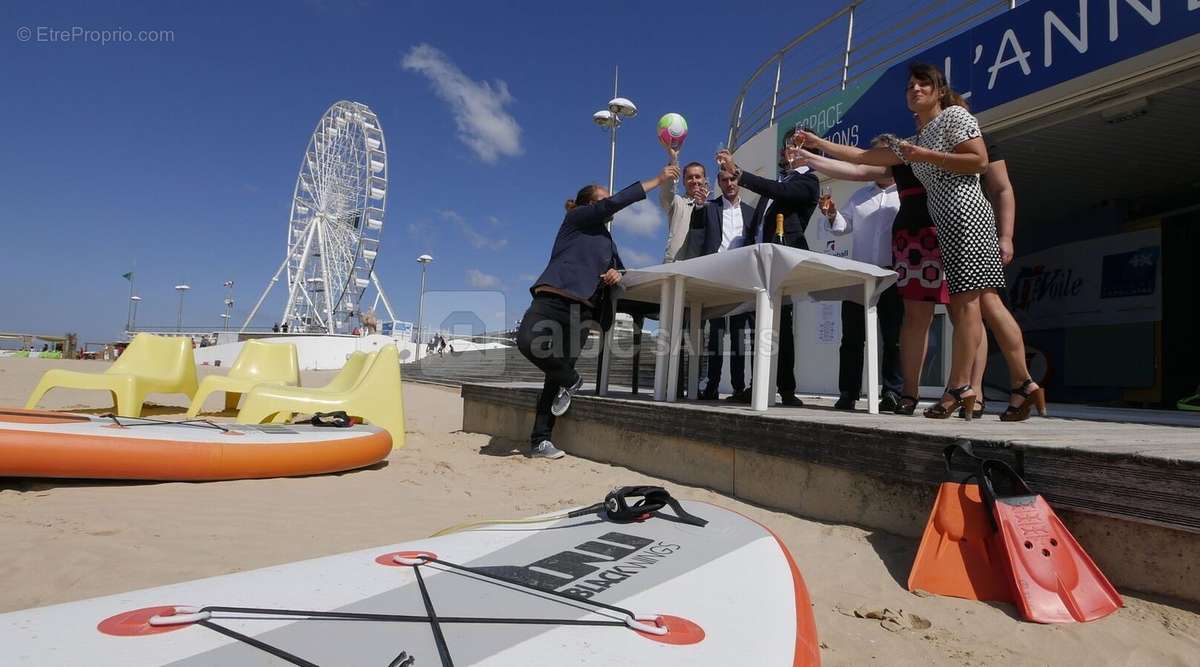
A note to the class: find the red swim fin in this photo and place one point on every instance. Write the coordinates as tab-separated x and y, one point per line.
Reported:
1054	580
957	556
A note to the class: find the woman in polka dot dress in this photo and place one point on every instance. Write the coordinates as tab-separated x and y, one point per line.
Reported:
948	155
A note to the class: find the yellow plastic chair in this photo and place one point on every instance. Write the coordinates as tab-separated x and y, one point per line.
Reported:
346	378
151	364
375	396
257	363
356	364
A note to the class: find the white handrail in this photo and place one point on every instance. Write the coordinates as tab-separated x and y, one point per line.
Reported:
928	23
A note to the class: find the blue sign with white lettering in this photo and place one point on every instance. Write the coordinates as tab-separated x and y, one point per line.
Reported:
1027	49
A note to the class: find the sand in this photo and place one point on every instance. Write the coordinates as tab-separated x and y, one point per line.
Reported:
69	540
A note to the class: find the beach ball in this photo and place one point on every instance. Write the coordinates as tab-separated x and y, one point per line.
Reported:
672	130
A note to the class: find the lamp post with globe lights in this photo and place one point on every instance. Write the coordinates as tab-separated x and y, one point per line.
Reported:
619	109
182	288
228	303
424	260
133	300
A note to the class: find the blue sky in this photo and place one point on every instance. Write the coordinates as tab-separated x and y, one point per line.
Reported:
182	156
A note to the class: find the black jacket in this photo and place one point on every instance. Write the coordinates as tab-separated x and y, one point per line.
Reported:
584	249
706	223
795	197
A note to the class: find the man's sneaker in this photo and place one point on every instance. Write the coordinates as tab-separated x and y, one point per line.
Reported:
846	403
742	397
563	400
791	400
546	450
889	401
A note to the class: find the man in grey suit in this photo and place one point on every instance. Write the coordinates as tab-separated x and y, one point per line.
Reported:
681	243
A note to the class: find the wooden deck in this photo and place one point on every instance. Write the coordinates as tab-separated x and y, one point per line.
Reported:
1131	471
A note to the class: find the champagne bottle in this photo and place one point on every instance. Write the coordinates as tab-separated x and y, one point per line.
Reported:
779	229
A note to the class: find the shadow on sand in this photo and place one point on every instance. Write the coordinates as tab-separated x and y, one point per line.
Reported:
503	447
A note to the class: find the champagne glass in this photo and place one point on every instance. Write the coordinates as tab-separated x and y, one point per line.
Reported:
826	197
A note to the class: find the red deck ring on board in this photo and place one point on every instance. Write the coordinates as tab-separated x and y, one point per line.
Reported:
137	622
389	559
680	631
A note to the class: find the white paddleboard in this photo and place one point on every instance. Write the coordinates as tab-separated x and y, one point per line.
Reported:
554	593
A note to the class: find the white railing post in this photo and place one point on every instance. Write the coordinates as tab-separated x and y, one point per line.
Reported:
775	95
735	129
849	39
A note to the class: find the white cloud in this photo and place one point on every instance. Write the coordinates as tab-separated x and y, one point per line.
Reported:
480	280
635	260
421	230
484	124
473	237
642	219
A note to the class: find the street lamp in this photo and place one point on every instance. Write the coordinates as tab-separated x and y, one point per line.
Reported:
228	302
619	108
424	260
182	289
133	302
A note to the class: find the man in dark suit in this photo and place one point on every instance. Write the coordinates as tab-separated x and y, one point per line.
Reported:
718	227
794	196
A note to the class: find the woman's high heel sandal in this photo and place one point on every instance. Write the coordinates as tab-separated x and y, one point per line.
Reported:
1029	399
977	412
942	410
908	405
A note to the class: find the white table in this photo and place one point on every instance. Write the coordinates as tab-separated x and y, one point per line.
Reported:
762	274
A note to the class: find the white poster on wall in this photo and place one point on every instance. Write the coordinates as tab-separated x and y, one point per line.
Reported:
1108	280
829	324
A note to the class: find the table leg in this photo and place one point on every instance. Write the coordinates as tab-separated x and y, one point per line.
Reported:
638	323
695	347
872	346
661	343
761	389
678	297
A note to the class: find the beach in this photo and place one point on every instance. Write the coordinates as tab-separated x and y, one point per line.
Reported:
69	540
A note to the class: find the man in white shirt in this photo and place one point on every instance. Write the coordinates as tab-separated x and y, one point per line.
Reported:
681	244
718	227
868	216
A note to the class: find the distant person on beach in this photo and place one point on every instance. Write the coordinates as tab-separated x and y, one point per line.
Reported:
584	264
285	327
275	327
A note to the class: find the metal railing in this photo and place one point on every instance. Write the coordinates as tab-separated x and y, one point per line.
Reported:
831	56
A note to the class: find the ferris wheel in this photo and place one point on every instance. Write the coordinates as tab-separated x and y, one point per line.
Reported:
335	224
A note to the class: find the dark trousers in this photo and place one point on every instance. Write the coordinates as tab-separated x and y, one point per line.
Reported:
785	379
552	334
738	351
854	335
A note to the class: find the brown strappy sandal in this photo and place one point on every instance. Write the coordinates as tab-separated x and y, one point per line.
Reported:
941	410
1029	399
